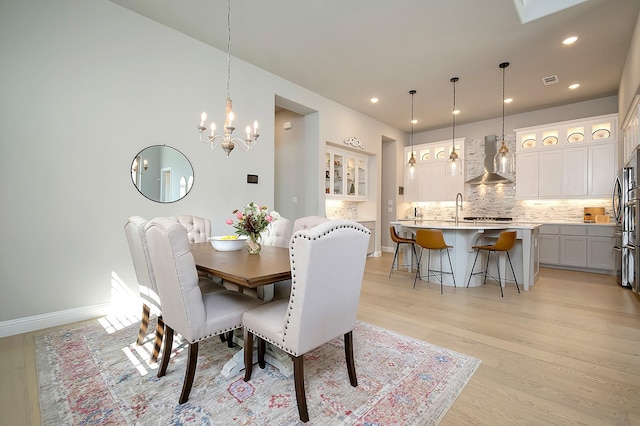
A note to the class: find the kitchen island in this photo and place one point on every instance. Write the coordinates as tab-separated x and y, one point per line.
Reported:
465	234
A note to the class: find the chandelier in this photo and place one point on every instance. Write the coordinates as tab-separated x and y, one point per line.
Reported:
503	161
226	139
454	165
411	165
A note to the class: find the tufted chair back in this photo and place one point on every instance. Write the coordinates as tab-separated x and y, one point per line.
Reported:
134	230
278	233
308	222
198	228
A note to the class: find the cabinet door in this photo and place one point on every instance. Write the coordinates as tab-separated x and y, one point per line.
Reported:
527	175
438	183
573	250
328	170
550	174
361	174
602	168
454	184
549	249
338	174
574	172
600	253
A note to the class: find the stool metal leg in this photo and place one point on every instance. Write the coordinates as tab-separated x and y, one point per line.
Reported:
418	268
499	279
453	276
474	265
395	256
486	268
513	272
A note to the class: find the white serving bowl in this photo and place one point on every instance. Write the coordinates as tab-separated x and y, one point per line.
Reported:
220	244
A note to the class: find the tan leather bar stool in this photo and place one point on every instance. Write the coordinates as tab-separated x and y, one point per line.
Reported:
400	240
505	242
433	239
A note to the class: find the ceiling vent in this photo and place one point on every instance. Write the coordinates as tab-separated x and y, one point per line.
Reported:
552	79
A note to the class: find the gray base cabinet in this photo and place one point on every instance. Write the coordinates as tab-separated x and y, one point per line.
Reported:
582	247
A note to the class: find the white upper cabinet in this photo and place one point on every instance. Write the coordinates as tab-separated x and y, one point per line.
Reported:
431	182
571	159
345	175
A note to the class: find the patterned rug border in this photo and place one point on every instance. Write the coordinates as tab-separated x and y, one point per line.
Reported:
431	404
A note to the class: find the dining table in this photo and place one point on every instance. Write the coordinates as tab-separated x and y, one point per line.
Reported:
253	271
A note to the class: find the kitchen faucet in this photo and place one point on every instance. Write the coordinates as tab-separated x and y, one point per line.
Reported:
458	204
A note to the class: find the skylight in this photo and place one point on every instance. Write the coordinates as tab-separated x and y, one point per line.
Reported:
530	10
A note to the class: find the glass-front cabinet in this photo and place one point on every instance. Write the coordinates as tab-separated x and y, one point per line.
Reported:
570	159
345	175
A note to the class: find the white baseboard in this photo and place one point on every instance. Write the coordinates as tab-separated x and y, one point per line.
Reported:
52	319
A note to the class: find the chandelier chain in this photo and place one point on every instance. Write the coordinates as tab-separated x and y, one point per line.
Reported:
503	77
228	49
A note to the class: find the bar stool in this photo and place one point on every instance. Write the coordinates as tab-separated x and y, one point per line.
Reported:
433	239
400	240
505	242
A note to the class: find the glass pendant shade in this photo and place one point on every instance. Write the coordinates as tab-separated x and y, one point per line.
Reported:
454	164
411	164
503	160
411	167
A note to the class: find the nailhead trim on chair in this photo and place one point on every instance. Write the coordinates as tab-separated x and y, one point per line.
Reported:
218	332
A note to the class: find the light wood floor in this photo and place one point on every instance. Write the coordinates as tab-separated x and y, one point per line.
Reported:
565	352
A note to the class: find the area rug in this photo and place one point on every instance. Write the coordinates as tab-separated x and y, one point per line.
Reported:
93	373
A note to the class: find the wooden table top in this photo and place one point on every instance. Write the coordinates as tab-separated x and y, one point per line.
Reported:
240	267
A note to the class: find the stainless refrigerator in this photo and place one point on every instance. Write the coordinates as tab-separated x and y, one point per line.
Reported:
631	223
625	246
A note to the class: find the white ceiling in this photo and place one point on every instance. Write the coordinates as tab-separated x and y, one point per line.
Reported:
352	50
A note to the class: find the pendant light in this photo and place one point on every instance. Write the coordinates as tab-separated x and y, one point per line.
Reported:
503	161
411	165
454	165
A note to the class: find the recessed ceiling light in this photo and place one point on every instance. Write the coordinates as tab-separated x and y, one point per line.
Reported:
574	86
570	40
414	121
374	100
456	111
508	100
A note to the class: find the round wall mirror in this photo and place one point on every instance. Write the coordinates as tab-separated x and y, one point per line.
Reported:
162	173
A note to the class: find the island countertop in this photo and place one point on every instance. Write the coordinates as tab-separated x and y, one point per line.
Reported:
464	224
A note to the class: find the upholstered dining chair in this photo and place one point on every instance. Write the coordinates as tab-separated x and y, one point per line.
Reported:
186	310
308	222
198	228
327	266
134	231
277	234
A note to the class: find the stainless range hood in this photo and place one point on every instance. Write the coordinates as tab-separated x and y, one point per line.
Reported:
489	177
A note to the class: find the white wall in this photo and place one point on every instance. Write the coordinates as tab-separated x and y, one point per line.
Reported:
85	86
